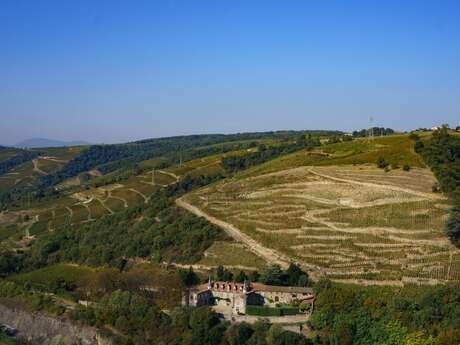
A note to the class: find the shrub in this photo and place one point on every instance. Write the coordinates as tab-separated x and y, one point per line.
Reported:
419	146
414	136
267	311
406	167
262	311
305	307
381	163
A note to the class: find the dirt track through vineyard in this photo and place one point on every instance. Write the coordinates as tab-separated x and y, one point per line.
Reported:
267	254
346	222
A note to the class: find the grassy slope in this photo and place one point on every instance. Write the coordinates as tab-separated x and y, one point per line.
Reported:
53	213
396	149
25	174
264	216
8	152
38	278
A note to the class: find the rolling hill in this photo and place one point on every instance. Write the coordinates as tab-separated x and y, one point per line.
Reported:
338	215
43	142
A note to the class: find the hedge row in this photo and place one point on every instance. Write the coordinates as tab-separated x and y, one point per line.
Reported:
266	311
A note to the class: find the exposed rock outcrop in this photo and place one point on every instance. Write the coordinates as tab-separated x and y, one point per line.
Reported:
38	327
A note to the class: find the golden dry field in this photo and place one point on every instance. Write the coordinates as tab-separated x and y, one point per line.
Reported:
349	222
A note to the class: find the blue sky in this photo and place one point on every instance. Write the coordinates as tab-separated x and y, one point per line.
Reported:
113	71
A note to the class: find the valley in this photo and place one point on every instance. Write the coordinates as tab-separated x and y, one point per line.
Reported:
351	212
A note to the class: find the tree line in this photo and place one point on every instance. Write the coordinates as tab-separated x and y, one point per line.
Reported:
442	154
376	131
12	162
265	153
412	315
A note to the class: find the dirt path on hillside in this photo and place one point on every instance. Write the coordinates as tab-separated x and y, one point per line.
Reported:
268	254
54	159
199	267
125	203
70	212
430	196
105	206
170	174
146	199
37	169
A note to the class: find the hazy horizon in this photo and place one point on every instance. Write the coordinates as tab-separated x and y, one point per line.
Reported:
110	72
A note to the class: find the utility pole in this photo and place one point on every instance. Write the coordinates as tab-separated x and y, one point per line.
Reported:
153	176
180	157
371	129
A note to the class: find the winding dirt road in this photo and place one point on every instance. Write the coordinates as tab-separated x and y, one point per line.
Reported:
430	196
268	254
37	169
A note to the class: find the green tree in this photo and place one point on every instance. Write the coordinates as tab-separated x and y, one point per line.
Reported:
452	227
303	280
189	277
381	163
272	275
294	272
220	272
419	146
259	337
414	136
238	334
241	277
255	276
406	167
206	327
228	276
419	338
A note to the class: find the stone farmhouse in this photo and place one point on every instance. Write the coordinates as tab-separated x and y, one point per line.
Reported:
238	295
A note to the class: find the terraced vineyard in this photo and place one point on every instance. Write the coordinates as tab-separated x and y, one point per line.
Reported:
87	205
349	222
80	205
52	160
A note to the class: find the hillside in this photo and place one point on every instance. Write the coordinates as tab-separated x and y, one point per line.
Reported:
91	196
43	142
333	211
104	235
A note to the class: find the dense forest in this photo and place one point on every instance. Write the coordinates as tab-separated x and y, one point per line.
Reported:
159	231
264	153
144	323
111	157
351	314
376	131
131	318
442	154
12	162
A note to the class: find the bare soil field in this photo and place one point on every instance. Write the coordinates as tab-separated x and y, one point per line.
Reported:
347	222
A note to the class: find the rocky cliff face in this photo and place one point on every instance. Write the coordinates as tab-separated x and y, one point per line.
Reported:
38	327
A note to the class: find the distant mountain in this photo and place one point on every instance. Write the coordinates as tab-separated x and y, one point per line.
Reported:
42	142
